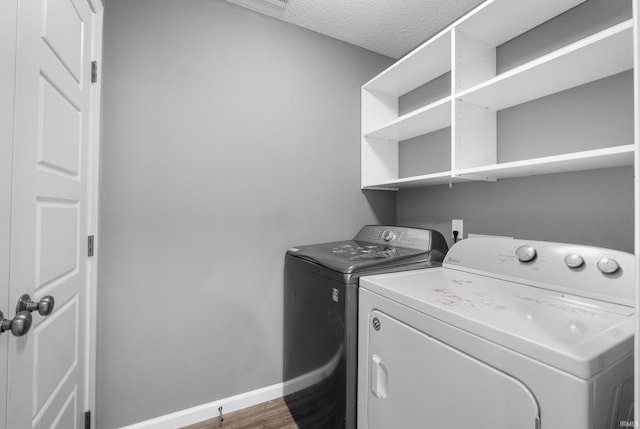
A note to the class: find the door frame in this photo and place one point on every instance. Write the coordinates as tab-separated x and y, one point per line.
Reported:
8	40
93	209
636	204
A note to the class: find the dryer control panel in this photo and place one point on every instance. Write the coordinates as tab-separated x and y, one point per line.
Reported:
587	271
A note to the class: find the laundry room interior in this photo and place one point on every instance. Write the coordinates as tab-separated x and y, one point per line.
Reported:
232	133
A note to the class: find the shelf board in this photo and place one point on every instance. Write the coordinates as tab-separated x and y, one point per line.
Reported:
429	118
595	57
424	64
587	160
441	178
498	21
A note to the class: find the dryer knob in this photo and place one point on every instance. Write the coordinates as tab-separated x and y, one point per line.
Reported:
526	253
574	261
608	265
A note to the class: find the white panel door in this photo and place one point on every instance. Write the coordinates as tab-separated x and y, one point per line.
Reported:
48	369
416	381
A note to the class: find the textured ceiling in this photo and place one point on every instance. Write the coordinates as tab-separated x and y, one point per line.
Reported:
389	27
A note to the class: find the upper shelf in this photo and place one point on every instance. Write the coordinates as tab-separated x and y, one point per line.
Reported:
433	59
498	21
495	21
595	57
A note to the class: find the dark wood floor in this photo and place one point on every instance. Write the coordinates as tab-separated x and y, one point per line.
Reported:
268	415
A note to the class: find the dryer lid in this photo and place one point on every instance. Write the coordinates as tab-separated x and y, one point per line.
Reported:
578	335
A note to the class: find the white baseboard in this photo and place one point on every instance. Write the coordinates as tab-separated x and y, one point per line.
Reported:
210	410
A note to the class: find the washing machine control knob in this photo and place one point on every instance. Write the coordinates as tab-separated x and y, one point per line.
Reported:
388	235
573	260
608	265
526	253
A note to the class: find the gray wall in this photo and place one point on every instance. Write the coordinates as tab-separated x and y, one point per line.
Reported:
590	207
228	138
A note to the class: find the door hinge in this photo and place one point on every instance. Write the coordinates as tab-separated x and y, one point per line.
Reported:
87	420
90	245
94	71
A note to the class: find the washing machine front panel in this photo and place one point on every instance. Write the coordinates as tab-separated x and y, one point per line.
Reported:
417	381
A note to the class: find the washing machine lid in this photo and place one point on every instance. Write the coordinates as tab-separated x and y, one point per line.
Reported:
376	247
355	256
578	335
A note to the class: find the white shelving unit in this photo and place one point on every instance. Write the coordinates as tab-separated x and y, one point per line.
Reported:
467	50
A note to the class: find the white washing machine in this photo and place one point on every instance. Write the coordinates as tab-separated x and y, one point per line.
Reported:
506	334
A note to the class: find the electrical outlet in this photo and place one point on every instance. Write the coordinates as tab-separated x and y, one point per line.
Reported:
456	225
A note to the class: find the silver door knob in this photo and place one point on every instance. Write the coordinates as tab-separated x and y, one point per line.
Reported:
18	326
44	307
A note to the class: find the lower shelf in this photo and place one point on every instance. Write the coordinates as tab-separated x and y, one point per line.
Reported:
587	160
442	178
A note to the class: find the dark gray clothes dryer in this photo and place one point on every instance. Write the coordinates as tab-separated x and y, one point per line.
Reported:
321	315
